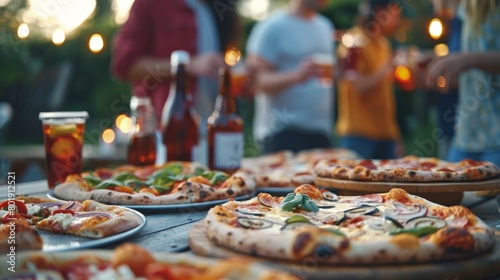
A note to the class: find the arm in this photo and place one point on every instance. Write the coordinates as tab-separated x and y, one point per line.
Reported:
153	68
450	66
365	83
271	81
132	61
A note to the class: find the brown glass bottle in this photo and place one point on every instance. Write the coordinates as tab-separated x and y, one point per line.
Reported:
225	129
142	139
179	120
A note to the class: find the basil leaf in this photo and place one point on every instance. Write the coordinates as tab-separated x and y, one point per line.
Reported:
163	189
108	183
422	231
91	180
218	178
136	184
124	176
215	177
169	169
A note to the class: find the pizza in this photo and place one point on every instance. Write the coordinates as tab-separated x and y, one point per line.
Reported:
406	169
129	261
286	169
172	183
316	225
86	219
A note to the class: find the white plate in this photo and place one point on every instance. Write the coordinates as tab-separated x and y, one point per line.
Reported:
55	242
169	207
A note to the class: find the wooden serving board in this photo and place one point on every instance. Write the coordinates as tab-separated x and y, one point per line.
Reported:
493	184
445	193
486	266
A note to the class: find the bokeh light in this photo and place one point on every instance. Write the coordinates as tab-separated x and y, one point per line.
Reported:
124	123
96	43
23	31
441	82
108	135
441	50
58	37
436	28
232	56
402	73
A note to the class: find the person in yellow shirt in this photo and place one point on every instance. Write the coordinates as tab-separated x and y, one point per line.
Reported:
366	105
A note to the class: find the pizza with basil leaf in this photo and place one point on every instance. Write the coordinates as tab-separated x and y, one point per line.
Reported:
317	226
172	183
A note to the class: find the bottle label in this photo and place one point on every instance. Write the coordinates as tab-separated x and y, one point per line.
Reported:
228	150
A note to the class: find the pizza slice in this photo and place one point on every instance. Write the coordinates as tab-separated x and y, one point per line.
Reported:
16	234
95	220
87	219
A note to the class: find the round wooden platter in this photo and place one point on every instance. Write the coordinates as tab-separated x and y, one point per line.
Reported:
486	266
493	184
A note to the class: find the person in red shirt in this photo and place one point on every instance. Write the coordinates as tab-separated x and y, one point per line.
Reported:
155	28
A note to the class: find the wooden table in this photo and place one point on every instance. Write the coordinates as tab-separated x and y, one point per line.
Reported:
168	231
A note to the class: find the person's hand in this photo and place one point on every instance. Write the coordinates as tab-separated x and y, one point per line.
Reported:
306	70
206	65
443	72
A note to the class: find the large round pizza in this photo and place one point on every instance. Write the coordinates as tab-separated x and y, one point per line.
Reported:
411	169
171	183
384	228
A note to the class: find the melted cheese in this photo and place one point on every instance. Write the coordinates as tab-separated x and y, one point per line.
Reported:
63	219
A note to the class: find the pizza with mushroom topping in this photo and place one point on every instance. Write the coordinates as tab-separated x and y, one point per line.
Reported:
317	225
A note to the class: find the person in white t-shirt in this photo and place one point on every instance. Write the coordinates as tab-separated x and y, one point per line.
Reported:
293	110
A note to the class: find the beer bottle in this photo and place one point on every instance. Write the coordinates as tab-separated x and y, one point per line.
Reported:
142	141
179	119
225	129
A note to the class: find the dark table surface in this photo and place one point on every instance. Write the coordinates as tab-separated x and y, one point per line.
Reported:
167	231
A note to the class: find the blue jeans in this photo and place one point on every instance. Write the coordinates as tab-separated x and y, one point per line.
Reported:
455	155
371	149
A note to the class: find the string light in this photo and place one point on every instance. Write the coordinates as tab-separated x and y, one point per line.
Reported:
108	136
58	37
96	43
23	31
436	28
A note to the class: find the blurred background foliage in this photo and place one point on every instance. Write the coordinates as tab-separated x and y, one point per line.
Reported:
31	70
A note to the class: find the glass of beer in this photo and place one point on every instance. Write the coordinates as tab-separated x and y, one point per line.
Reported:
325	62
63	137
239	80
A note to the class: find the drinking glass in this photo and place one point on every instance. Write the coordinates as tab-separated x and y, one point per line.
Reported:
325	62
63	137
239	79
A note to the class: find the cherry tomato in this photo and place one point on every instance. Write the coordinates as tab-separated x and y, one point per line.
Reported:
21	207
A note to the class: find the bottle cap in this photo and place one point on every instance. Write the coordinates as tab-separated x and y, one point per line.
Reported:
179	57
